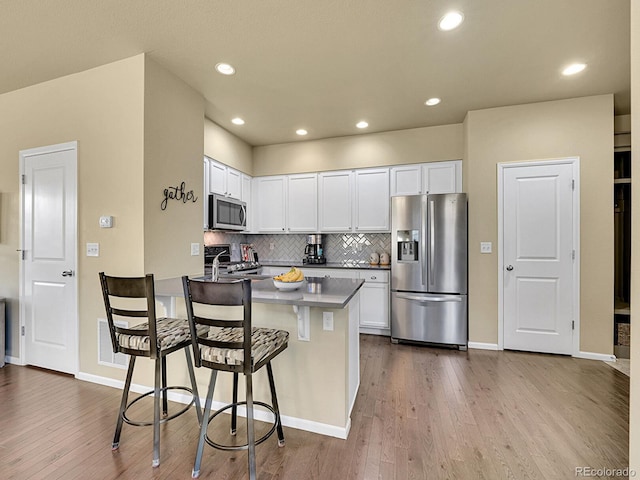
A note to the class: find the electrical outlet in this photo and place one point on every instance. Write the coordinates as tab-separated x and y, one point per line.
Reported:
93	249
327	321
195	249
485	247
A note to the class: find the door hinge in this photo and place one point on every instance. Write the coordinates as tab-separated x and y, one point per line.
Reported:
22	330
573	184
573	254
573	324
23	179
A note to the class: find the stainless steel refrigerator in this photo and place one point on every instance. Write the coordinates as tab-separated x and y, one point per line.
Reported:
429	269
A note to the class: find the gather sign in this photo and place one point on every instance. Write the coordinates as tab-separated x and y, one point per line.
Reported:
178	193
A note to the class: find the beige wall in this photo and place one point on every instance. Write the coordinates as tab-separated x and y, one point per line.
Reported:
580	127
226	148
634	413
173	151
430	144
102	109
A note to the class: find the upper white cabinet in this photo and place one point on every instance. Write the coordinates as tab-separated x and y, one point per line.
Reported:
442	177
354	201
302	203
285	204
372	200
269	204
224	180
435	177
335	201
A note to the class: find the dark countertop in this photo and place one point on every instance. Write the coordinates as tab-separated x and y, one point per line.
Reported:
316	292
348	264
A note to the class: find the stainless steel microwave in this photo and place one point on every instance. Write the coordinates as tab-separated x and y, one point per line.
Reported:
227	213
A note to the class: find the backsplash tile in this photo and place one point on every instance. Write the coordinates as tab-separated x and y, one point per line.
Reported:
356	247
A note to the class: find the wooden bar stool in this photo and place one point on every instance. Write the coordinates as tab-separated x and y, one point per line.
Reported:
232	346
156	338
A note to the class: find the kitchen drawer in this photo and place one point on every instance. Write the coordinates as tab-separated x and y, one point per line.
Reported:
376	276
330	272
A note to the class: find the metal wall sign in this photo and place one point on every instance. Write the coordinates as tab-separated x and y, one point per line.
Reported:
178	193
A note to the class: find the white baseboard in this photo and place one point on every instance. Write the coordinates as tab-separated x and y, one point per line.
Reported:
483	346
262	415
596	356
13	360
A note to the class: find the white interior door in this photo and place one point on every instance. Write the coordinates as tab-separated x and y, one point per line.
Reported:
538	254
49	290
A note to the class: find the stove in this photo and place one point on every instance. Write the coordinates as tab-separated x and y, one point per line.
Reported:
226	265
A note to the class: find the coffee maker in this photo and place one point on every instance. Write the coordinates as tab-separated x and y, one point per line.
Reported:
314	250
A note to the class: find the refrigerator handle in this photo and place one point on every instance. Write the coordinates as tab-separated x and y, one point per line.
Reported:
417	298
423	240
432	242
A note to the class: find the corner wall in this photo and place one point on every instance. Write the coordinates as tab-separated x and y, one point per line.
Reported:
580	127
173	152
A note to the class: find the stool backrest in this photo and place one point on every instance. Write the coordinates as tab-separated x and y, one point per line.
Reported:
228	293
131	288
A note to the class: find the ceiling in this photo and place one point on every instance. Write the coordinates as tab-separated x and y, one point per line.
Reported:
323	65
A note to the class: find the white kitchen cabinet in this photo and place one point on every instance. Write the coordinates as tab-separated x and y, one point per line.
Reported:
205	195
245	196
372	200
335	201
269	204
330	272
406	180
374	302
442	177
434	177
224	180
302	203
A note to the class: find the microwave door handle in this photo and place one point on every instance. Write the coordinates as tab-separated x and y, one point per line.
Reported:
243	215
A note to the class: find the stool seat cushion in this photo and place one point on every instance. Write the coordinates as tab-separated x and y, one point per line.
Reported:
264	342
170	332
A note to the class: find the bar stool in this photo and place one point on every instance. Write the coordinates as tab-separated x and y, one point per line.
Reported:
232	346
156	338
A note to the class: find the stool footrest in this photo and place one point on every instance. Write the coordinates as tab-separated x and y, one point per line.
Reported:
163	420
243	446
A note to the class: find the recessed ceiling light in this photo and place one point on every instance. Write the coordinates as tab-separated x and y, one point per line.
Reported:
574	68
237	121
450	21
225	69
301	131
432	101
362	124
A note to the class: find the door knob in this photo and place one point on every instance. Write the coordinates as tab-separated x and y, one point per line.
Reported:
67	273
509	268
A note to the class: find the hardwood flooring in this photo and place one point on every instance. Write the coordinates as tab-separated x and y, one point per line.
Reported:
420	413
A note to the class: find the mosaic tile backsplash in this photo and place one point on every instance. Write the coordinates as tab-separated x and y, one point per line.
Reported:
290	248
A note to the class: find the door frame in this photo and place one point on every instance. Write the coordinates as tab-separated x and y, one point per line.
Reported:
23	154
502	167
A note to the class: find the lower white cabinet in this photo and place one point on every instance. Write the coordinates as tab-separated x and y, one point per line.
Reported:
374	302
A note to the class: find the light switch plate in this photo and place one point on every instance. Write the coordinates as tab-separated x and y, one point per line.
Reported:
93	249
195	249
485	247
327	321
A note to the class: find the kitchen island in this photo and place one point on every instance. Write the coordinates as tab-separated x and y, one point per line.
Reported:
318	375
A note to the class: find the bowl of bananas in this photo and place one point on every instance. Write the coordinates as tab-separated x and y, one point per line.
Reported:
291	280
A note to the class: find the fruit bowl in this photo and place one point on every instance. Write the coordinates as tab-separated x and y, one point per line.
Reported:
287	285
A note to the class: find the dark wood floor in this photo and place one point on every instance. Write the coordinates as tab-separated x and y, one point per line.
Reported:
420	413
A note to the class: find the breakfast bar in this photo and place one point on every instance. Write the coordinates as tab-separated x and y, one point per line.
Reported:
317	376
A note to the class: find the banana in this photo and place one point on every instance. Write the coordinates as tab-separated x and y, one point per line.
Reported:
293	275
